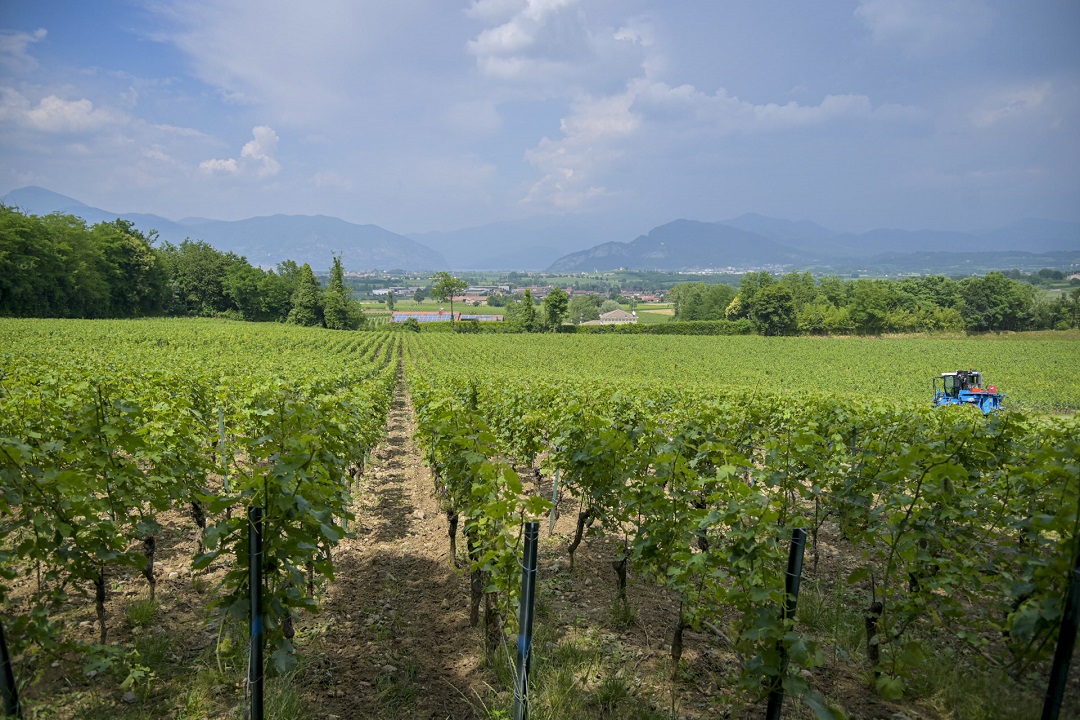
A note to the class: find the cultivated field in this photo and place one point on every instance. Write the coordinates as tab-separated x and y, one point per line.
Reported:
939	541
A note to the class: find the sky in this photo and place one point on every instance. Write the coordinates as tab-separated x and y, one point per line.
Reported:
435	115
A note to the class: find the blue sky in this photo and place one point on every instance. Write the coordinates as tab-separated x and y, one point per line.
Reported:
421	115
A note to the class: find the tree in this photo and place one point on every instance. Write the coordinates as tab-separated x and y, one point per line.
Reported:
774	310
418	296
275	294
307	302
742	305
803	288
197	277
521	314
444	287
242	285
996	303
685	297
340	311
390	301
583	308
137	277
871	301
834	290
555	305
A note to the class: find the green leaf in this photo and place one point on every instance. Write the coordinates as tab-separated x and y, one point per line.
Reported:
821	710
859	574
283	659
912	654
890	688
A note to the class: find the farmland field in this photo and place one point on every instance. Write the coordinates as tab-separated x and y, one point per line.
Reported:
1036	371
934	580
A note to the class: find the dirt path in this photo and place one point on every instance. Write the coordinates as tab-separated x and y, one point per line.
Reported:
394	639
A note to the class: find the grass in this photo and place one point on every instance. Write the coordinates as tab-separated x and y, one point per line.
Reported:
167	680
571	676
140	613
621	614
650	318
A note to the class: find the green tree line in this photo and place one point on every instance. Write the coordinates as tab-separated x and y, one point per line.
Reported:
58	266
797	303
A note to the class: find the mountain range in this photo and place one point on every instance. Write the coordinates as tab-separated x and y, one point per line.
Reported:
758	241
264	241
554	243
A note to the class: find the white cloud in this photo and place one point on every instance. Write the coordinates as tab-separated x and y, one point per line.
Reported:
257	156
553	47
591	140
156	153
55	115
309	64
650	115
212	166
1012	104
724	113
180	131
261	149
925	27
14	49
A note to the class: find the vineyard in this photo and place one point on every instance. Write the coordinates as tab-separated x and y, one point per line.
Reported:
668	474
108	426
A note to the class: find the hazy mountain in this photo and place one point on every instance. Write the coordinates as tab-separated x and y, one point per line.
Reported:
263	241
315	240
799	232
682	245
688	245
557	243
883	240
962	263
1033	234
34	200
39	201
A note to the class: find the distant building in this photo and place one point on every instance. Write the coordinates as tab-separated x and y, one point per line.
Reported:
399	292
615	317
538	293
400	317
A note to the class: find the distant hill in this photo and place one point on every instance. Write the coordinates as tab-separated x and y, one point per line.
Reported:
798	232
756	241
1038	235
587	243
264	241
682	245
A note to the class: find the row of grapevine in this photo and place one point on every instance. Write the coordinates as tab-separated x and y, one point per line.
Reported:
105	426
961	526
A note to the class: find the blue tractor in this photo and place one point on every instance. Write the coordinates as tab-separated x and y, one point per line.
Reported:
964	387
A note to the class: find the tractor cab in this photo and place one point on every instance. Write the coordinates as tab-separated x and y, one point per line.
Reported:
965	387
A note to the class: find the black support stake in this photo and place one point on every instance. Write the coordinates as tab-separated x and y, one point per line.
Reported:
525	622
255	585
7	680
791	597
1059	672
